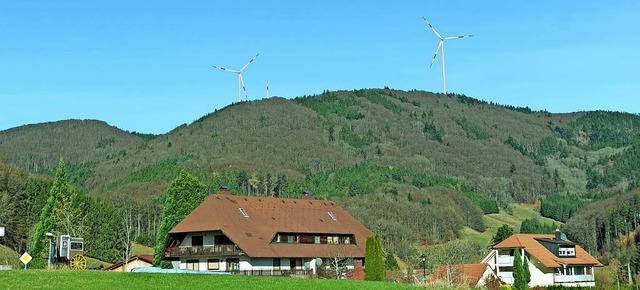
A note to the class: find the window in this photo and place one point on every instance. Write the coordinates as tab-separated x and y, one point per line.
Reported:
244	212
193	265
196	241
213	264
333	216
290	239
295	264
316	239
222	240
306	239
567	252
276	263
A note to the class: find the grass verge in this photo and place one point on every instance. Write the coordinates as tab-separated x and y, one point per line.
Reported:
41	279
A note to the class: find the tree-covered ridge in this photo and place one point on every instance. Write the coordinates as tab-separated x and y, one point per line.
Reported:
331	103
620	170
599	225
600	129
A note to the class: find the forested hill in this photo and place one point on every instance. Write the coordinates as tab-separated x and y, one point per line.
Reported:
502	151
415	166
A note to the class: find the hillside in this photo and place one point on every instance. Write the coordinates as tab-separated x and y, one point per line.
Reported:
416	166
503	151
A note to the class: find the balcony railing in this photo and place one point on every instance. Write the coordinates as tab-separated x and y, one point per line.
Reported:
211	251
505	260
573	278
273	272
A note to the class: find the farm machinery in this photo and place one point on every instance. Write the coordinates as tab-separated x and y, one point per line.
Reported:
67	249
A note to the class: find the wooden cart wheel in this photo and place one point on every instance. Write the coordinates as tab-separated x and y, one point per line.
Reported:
78	262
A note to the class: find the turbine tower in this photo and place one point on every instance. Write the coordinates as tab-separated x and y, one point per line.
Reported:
441	45
240	79
267	89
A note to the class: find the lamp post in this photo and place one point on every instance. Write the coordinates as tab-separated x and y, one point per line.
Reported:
424	268
50	236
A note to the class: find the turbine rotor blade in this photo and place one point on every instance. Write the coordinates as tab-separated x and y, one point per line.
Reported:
460	36
225	69
431	26
250	61
436	54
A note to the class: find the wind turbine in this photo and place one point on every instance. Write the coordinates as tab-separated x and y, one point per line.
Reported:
441	45
267	89
240	79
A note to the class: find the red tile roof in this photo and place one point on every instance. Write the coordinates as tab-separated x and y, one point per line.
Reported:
460	273
542	254
146	258
267	216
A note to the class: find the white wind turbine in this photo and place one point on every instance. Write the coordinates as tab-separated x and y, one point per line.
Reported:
441	45
240	79
267	89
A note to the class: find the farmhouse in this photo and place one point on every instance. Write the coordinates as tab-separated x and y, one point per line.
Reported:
552	260
266	235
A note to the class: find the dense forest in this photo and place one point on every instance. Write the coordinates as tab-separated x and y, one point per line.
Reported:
413	166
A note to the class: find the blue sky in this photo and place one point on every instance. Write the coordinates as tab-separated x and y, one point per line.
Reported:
147	68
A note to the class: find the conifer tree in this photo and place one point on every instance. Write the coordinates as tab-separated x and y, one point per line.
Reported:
374	259
519	276
50	221
184	194
390	262
526	273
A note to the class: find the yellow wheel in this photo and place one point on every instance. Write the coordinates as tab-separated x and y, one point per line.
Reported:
78	262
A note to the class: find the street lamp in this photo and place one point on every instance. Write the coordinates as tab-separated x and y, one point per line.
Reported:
50	236
424	268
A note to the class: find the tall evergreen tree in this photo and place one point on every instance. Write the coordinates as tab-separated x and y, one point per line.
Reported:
519	276
526	273
50	219
184	194
374	259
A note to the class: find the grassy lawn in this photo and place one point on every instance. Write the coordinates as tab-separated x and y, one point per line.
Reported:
494	221
41	279
141	249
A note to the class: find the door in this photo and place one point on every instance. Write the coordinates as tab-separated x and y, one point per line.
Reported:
233	265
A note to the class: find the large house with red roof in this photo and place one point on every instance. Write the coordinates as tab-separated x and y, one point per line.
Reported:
265	235
552	260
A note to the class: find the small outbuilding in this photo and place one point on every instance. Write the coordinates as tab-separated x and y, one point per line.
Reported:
134	261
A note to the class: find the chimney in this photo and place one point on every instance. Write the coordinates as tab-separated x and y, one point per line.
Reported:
225	189
558	234
307	194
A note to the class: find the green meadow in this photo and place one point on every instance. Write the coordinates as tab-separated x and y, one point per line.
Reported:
41	279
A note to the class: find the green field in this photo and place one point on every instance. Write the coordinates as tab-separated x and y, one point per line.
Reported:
494	221
41	279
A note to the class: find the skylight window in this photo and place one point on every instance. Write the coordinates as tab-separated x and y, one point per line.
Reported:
244	212
333	216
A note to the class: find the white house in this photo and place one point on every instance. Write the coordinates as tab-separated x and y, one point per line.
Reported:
552	260
265	235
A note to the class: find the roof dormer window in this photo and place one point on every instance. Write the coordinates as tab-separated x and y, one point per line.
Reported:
566	252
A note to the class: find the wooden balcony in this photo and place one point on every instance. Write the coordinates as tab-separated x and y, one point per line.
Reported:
208	251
